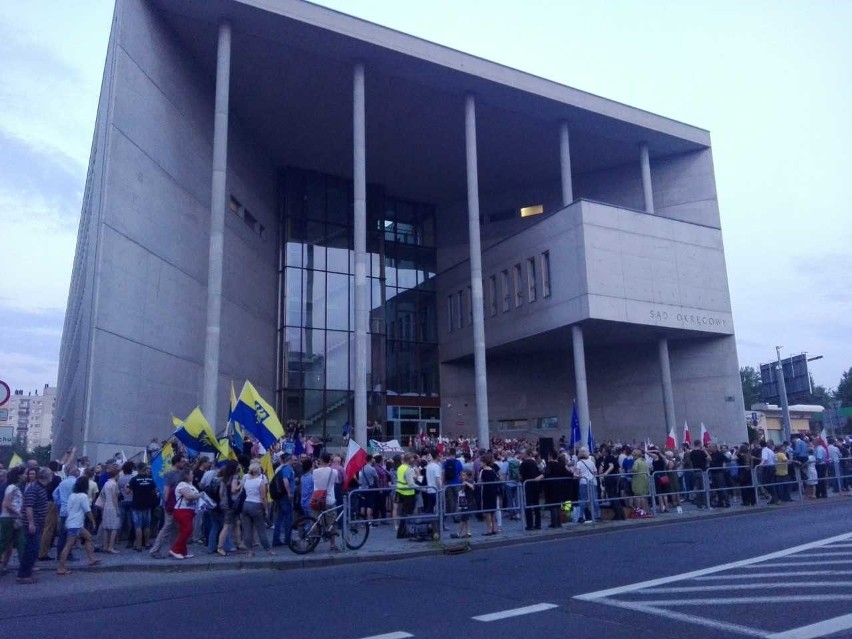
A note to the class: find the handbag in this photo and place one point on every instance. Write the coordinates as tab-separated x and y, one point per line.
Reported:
664	480
319	497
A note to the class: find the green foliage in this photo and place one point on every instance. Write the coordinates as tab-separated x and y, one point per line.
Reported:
750	378
843	394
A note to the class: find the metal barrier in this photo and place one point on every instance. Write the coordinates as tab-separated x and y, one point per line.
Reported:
723	482
450	502
778	486
548	489
363	498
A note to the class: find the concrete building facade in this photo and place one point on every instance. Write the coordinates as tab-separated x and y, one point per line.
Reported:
371	227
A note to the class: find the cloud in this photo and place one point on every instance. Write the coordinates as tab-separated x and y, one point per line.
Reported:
29	345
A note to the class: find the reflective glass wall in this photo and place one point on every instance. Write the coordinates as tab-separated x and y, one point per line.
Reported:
316	345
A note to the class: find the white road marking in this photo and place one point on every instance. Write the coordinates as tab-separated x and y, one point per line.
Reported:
814	562
733	601
390	635
840	546
819	629
786	573
600	594
679	616
515	612
779	586
822	554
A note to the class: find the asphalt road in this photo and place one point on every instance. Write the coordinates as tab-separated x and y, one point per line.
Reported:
435	597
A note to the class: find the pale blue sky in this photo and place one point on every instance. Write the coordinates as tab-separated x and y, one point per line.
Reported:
770	80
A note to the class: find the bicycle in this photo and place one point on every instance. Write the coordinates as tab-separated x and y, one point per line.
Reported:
307	531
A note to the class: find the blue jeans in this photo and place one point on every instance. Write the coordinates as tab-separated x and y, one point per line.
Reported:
217	521
284	519
587	493
25	570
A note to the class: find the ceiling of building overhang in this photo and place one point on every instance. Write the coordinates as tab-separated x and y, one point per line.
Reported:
291	88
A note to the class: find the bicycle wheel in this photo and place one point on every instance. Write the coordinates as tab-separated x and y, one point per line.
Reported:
305	534
356	534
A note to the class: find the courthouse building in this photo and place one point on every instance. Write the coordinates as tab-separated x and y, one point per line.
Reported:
372	227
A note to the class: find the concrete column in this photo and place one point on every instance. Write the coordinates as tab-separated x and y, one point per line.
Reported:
218	193
359	173
666	376
476	274
565	164
647	190
580	379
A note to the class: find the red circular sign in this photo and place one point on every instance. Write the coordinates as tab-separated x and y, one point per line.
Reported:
5	393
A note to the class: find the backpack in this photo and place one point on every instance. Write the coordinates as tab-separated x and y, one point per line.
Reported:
451	473
276	487
514	473
212	490
383	476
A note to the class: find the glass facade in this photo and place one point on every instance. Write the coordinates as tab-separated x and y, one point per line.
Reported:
316	355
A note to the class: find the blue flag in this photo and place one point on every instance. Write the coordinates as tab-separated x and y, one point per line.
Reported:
590	440
576	435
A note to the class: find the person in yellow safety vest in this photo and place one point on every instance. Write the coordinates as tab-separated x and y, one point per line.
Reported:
405	487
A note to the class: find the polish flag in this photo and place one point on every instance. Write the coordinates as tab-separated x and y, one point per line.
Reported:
356	458
671	442
687	438
705	436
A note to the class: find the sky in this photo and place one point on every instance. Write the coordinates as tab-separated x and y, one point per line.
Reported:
769	79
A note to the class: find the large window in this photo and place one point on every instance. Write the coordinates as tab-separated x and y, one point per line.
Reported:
317	356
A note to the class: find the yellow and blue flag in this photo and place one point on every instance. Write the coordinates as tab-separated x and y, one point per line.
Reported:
266	464
226	453
161	464
194	432
235	429
257	416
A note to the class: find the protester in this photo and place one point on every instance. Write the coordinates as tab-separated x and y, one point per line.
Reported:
78	509
111	516
186	501
256	501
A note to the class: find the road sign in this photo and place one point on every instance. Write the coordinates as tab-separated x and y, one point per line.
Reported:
5	393
7	436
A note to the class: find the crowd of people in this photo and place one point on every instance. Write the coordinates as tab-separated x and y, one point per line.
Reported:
229	507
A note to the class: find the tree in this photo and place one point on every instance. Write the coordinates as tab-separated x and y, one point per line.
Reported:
819	395
750	379
843	394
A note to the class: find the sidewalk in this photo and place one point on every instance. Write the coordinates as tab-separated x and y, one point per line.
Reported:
382	544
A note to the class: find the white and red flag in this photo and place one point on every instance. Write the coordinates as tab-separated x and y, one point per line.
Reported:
705	436
687	438
356	458
671	442
822	440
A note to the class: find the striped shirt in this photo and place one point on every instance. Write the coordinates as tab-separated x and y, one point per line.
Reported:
35	497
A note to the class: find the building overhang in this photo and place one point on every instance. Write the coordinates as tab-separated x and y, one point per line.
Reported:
291	86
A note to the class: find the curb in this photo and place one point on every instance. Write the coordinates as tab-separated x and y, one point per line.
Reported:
433	548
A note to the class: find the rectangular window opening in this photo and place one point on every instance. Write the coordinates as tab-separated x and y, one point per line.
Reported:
504	290
531	280
519	292
492	295
545	274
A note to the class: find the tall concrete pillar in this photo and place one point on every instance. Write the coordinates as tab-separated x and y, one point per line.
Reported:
476	274
580	379
581	387
666	377
565	164
216	256
647	190
360	231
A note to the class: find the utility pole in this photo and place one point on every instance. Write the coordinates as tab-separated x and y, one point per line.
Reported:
782	391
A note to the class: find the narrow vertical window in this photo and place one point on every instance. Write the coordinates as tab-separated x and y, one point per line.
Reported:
459	309
531	281
492	295
504	290
451	312
470	306
545	274
518	282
